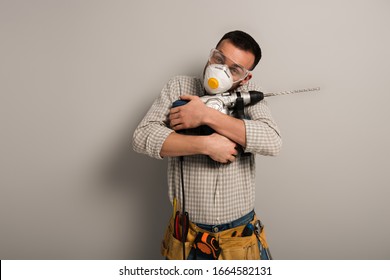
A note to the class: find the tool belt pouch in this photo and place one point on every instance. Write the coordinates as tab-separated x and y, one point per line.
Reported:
172	248
239	248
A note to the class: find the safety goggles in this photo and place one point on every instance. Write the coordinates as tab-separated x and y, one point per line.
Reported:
238	72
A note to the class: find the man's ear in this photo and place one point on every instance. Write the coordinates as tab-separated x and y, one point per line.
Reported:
244	81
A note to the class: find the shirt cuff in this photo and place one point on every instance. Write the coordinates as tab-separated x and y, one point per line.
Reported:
249	136
156	141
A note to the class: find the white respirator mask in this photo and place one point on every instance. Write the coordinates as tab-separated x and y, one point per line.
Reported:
217	79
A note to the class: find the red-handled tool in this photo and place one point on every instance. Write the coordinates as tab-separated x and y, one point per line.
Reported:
176	226
181	226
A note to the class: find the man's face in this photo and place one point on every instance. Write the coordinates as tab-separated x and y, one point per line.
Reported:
236	56
244	58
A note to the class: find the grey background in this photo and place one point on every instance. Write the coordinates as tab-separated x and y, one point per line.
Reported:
76	77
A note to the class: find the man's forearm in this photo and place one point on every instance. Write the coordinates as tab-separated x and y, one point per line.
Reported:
183	145
230	127
218	147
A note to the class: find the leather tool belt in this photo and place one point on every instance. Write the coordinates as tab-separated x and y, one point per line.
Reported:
231	245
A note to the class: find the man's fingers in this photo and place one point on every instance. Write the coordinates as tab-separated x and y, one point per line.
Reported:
177	127
174	111
231	159
174	115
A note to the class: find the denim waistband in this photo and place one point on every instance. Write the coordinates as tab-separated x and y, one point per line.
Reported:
239	222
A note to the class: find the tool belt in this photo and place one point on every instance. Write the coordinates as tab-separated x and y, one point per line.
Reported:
229	244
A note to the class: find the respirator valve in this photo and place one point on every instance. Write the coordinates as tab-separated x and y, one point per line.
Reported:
213	83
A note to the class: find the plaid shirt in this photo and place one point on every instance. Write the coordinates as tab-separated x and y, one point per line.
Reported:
215	193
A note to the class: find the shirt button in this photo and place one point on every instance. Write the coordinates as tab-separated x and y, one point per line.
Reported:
215	229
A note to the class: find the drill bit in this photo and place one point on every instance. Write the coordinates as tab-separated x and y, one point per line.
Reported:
268	94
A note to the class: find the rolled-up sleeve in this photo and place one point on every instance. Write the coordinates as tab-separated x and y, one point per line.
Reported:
153	130
262	134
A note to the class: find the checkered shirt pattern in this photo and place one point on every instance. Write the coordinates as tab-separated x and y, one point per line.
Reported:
215	193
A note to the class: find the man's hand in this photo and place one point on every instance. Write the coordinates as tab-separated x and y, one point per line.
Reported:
221	149
190	115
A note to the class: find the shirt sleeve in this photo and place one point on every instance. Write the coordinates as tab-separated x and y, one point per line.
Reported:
262	134
153	130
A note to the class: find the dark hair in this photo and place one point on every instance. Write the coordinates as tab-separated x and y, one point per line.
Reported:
244	42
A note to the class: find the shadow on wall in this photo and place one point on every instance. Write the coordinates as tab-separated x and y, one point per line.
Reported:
143	181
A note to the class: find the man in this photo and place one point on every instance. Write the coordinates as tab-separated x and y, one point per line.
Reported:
218	177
